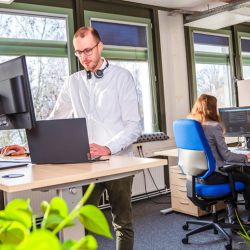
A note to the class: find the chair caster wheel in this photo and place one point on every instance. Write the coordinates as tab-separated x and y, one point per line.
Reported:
228	247
185	240
185	227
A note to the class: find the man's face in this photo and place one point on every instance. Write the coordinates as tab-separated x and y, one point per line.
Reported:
90	51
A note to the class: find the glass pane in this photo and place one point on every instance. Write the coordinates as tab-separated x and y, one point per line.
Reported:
46	75
245	45
211	48
246	72
212	39
140	72
32	27
215	80
119	34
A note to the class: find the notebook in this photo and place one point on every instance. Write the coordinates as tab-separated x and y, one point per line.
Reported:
59	141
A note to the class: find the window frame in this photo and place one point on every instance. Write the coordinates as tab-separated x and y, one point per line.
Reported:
130	53
209	57
32	47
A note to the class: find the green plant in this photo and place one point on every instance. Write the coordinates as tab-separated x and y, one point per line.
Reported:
18	229
244	233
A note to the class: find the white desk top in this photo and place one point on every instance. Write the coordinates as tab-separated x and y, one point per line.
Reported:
49	175
169	152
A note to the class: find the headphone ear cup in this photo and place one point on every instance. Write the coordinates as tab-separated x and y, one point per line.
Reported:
89	75
99	73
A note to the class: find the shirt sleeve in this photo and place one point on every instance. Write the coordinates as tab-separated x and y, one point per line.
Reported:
222	147
63	107
130	116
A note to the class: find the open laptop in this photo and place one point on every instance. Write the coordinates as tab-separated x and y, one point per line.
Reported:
59	141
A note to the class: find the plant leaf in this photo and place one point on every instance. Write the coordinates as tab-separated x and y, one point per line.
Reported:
55	219
12	232
89	242
44	205
68	244
40	240
7	247
59	206
94	220
18	210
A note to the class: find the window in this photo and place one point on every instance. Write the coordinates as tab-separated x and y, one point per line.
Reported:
43	39
245	56
128	43
212	67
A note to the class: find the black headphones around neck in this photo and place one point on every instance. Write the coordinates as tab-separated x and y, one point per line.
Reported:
98	73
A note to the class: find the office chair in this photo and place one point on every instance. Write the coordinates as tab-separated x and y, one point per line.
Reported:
196	161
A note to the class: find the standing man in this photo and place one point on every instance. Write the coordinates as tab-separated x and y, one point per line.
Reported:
106	96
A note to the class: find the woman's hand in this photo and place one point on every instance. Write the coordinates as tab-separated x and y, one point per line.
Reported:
17	150
248	156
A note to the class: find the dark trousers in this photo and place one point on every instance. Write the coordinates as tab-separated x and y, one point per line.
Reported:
119	192
218	178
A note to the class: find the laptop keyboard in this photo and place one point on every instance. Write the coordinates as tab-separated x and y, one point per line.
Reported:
240	151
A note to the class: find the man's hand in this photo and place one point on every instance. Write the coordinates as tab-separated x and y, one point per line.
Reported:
98	150
18	150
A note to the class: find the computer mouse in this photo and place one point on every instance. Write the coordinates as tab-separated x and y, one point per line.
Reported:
10	152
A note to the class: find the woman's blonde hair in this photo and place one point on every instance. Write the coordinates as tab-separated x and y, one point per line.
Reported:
205	109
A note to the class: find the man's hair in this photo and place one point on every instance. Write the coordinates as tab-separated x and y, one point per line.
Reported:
83	31
205	109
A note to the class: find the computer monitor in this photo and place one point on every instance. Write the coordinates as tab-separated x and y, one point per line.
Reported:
236	121
16	106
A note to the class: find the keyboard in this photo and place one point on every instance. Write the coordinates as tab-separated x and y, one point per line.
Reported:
240	151
7	165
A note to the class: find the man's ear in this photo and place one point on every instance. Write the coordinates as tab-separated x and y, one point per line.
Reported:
100	47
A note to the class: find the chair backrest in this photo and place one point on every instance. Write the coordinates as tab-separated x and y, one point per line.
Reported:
195	155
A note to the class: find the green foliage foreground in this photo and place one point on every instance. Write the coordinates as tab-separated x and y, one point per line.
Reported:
18	229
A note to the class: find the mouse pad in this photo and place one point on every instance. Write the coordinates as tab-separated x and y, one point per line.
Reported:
59	141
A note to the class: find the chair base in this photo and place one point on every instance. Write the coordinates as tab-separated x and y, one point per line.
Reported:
217	226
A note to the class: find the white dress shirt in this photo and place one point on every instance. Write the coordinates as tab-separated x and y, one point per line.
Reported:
109	105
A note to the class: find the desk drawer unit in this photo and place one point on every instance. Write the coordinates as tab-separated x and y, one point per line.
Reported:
179	199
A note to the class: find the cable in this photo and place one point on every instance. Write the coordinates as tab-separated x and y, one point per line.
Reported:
141	154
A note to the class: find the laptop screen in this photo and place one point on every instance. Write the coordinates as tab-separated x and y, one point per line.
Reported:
59	141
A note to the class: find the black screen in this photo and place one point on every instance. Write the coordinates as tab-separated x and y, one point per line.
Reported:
236	121
16	106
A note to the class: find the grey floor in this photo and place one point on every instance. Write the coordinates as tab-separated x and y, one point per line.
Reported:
154	231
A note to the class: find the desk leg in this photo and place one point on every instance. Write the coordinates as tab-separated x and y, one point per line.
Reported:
59	192
167	210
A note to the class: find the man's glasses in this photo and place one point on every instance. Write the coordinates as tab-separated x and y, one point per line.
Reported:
86	52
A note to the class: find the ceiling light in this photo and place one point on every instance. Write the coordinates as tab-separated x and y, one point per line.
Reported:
219	17
219	21
6	1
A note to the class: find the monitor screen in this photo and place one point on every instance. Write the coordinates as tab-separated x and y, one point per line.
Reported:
16	106
236	121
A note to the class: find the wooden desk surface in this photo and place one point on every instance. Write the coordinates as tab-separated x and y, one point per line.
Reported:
169	152
47	175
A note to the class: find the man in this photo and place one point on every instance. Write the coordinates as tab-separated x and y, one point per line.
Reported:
105	95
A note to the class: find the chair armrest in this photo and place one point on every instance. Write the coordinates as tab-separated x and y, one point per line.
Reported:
230	167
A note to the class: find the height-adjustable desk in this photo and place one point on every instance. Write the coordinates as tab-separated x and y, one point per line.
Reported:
63	176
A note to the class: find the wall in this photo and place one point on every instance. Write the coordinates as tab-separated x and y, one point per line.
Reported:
174	67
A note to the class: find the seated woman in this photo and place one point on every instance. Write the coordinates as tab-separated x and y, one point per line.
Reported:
205	112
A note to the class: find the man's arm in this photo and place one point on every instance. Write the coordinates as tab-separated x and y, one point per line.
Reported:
128	103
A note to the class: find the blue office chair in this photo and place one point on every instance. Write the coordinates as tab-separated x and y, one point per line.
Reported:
196	161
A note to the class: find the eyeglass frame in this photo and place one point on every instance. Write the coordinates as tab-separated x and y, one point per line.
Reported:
86	52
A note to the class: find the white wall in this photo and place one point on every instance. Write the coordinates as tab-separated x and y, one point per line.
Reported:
174	67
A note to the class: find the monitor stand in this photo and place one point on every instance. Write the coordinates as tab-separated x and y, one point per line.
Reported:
247	142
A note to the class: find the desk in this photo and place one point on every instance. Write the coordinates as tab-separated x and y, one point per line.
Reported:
61	176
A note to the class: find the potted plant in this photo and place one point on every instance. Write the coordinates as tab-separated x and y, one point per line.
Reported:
18	230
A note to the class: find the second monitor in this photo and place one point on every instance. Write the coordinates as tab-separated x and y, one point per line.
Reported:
236	122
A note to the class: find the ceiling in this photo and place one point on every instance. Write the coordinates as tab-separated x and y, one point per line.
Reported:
195	5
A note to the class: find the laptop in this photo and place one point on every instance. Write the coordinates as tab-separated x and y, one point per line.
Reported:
59	141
